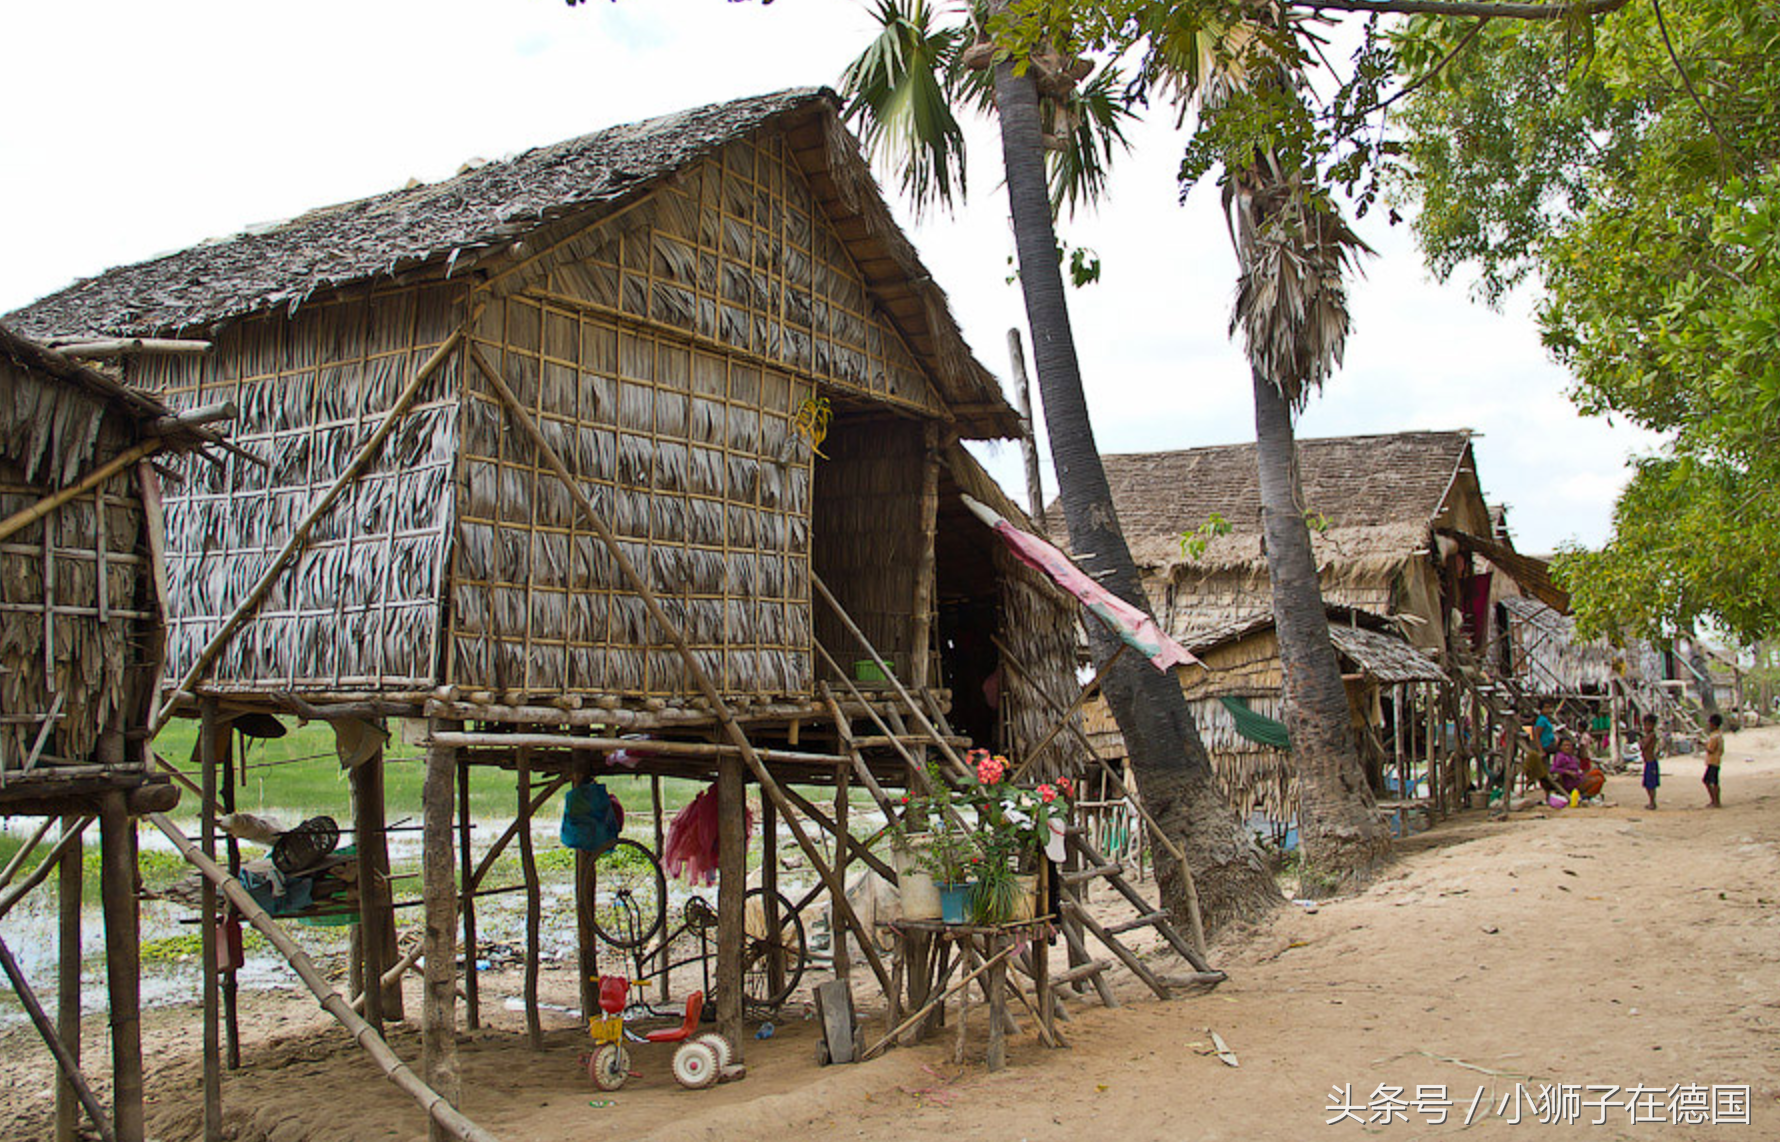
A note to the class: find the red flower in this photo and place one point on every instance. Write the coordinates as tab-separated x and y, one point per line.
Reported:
1047	794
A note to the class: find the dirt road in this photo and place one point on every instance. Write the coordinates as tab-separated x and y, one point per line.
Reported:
1581	950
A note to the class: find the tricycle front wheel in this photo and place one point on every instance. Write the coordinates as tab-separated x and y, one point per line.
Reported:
609	1067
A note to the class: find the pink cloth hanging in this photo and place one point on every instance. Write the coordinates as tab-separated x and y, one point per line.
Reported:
690	851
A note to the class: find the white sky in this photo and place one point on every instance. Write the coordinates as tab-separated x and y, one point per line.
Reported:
136	128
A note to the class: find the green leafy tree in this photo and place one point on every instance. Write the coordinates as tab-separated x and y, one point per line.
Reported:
1630	175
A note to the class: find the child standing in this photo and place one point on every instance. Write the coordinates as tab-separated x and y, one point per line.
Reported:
1647	749
1714	759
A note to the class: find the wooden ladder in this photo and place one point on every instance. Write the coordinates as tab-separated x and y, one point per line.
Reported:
1076	920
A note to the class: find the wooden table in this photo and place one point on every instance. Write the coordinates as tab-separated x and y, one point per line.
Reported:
927	953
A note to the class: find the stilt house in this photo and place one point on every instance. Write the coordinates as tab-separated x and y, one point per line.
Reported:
686	372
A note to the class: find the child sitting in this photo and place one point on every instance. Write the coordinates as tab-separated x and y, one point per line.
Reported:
1566	767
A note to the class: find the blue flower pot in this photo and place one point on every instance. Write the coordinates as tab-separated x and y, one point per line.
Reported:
954	902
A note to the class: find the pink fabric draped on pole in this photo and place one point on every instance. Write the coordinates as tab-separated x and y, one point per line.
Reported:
690	851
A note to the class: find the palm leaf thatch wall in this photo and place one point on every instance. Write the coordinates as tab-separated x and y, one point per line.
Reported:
664	299
79	617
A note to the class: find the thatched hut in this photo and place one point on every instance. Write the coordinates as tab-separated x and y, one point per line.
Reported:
652	430
1380	508
81	636
1235	702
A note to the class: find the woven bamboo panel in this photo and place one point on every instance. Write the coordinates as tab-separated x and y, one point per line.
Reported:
736	252
692	458
62	634
1038	624
359	610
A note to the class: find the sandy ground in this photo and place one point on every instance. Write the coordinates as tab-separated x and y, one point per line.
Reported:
1604	947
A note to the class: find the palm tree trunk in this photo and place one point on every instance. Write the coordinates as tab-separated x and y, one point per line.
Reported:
1173	773
1338	822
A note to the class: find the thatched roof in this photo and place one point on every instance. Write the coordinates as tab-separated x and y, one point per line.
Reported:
1364	639
1380	495
445	228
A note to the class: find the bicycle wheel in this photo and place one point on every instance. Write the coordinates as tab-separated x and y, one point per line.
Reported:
629	895
772	960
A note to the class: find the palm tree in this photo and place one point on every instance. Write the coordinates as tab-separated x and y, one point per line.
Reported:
1174	774
1293	251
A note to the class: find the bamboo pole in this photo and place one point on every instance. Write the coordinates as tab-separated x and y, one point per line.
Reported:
209	727
852	628
24	517
1035	497
68	839
725	716
665	953
534	1027
70	888
438	1005
393	977
843	843
438	1109
299	535
1062	723
844	730
472	740
67	1063
123	951
25	850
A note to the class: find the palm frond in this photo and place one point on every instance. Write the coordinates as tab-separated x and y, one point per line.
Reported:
1091	126
899	97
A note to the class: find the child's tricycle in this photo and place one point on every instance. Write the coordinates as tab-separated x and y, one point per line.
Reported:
701	1059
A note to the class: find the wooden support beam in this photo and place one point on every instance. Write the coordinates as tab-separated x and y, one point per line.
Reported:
123	962
70	839
922	604
438	1008
70	887
732	883
376	901
210	727
439	1110
534	915
467	902
68	1065
24	517
460	739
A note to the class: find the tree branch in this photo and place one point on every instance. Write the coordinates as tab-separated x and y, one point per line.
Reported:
1510	9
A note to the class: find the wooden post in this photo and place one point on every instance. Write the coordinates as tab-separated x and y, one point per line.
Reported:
209	727
123	958
732	876
231	984
438	1010
769	882
665	955
843	854
376	914
534	1027
1035	496
587	942
69	889
1615	711
998	1016
472	984
922	644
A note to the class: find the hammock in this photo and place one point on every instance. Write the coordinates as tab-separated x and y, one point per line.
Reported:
1258	728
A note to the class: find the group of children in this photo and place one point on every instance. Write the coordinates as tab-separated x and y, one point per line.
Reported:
1565	771
1649	748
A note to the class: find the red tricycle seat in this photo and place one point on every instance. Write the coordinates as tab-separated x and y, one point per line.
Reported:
695	1006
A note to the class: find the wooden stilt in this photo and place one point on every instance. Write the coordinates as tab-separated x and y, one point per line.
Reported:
732	875
231	984
68	1068
209	729
664	958
69	889
587	941
472	979
123	958
843	846
998	1016
438	1013
769	881
376	914
534	1026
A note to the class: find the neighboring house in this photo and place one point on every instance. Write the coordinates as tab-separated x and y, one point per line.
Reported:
1395	520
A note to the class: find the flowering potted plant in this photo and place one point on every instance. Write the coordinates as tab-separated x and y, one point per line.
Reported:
1017	825
952	860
